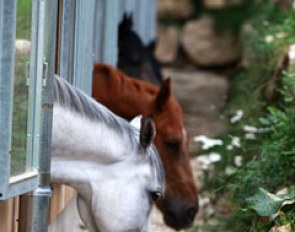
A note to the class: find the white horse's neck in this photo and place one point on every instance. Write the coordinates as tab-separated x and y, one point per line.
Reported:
77	138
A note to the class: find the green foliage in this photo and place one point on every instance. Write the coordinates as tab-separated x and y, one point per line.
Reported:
228	18
268	161
287	215
23	19
19	123
20	100
265	203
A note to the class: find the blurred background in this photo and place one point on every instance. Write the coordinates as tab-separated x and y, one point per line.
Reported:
232	68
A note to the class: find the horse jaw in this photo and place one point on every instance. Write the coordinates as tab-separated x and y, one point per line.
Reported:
119	206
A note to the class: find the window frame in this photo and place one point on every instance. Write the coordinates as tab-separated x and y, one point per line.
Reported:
38	73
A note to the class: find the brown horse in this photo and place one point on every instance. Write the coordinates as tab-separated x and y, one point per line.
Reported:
128	98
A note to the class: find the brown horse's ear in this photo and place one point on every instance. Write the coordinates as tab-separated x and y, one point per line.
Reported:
147	132
164	94
101	71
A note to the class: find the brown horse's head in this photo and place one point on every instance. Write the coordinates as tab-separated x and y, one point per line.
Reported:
180	204
129	97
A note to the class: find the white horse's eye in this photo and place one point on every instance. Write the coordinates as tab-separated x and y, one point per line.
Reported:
155	195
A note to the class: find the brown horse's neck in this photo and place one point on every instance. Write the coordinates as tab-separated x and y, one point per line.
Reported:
123	95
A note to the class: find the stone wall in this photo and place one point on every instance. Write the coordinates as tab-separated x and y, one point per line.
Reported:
195	36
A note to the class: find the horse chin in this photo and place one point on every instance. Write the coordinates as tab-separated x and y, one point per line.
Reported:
134	220
176	225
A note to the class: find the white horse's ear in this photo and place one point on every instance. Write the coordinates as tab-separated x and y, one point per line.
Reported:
147	132
136	121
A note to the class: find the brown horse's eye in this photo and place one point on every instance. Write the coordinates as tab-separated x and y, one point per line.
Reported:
173	146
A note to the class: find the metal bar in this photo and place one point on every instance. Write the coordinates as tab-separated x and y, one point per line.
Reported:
7	39
46	52
126	6
22	183
108	14
98	30
66	39
83	54
145	20
31	154
110	34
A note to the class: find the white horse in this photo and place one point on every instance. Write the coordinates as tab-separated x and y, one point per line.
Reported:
112	165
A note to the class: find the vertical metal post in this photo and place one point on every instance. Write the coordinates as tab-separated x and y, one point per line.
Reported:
145	18
67	10
126	6
110	33
46	45
76	42
7	38
105	43
98	30
83	45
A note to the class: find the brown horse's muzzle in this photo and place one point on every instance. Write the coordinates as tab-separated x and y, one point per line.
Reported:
179	214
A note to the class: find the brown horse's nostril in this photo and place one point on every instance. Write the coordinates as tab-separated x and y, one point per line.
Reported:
191	213
180	216
170	215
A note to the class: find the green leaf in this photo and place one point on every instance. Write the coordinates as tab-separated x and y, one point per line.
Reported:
264	203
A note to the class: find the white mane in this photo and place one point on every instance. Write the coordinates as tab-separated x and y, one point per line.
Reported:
98	154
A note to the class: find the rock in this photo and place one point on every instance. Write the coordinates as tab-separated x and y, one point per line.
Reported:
283	228
286	4
167	44
178	9
207	48
201	95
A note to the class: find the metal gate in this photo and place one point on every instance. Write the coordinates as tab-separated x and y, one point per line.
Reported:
55	36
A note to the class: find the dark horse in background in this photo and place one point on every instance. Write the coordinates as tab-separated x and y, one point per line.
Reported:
136	59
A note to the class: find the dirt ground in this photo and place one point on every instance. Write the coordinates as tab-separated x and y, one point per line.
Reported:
202	95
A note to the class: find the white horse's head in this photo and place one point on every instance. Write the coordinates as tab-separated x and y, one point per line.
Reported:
113	166
122	195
